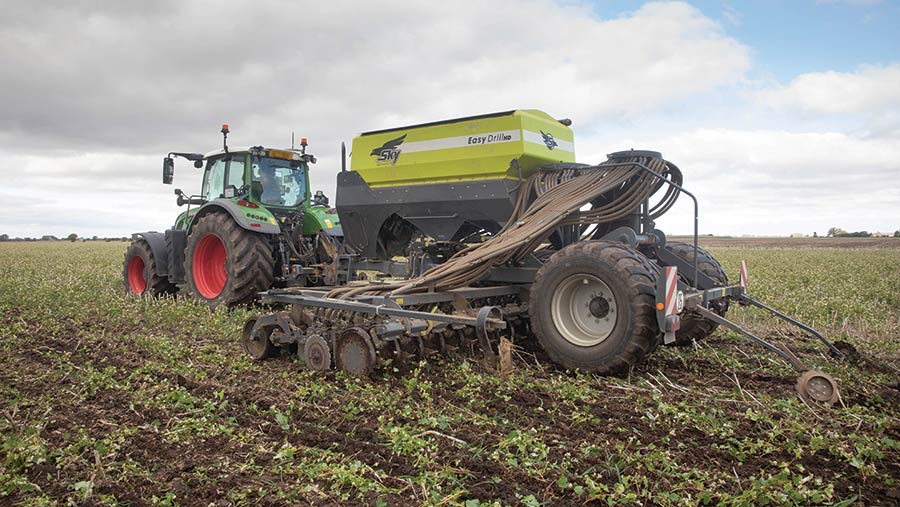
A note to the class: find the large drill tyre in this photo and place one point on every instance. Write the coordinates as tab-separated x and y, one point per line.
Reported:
694	327
140	274
592	307
225	264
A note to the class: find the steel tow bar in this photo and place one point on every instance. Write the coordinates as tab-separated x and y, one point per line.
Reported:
718	319
759	304
812	385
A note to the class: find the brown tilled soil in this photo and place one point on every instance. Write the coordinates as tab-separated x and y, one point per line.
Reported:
202	471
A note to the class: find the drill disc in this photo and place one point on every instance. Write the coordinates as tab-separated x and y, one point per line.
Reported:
317	354
255	340
355	353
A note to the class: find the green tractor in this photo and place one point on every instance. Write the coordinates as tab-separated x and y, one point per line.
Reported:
254	226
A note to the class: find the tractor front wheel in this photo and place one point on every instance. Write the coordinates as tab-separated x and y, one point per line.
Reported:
591	307
226	264
140	274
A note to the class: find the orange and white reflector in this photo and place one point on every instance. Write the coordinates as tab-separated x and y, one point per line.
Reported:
745	274
671	290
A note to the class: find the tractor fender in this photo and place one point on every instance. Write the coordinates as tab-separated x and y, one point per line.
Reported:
157	242
240	217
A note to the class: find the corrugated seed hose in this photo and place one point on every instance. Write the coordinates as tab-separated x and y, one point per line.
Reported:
550	198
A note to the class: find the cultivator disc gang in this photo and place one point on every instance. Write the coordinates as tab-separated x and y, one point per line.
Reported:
819	387
255	340
355	353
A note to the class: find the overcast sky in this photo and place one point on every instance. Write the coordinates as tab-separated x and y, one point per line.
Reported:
783	116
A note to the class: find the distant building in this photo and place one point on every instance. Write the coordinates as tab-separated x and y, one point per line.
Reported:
799	235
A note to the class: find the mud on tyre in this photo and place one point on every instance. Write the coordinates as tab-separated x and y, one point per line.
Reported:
226	264
592	307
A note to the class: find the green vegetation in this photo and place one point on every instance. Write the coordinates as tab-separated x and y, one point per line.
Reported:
115	400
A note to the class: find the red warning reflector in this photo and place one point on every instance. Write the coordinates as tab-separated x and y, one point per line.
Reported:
671	290
744	274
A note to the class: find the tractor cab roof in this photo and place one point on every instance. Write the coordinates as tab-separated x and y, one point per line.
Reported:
286	154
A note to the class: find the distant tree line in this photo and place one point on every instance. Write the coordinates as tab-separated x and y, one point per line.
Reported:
837	232
71	237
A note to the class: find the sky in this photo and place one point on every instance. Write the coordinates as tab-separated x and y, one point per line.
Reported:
783	116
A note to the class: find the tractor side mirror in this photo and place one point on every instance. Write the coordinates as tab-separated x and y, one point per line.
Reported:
168	170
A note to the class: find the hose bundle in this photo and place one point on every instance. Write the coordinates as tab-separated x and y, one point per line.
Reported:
552	197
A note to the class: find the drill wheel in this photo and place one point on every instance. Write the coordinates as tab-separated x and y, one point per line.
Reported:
818	386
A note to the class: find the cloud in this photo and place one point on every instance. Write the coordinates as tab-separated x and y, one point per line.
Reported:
778	182
871	90
108	78
97	92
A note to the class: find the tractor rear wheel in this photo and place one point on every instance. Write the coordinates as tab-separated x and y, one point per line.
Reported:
226	264
694	327
591	307
140	274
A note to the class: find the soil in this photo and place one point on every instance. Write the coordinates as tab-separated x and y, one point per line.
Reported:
229	464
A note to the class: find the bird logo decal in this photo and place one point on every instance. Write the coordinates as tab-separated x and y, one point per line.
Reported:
389	151
548	140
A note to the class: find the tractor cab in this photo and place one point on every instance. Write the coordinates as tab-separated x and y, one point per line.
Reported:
263	176
255	184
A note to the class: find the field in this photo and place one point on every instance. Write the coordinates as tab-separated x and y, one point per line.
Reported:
113	400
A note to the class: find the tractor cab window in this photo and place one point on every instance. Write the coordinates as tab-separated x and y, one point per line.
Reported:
276	183
214	182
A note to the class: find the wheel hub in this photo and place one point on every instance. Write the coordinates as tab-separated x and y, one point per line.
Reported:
584	310
599	307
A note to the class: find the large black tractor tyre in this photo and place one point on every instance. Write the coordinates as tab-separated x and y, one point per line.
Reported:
225	264
694	327
140	274
592	307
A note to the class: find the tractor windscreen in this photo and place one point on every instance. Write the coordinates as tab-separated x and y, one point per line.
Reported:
276	183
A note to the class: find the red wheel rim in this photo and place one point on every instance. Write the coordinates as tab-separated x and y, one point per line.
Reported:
209	266
136	281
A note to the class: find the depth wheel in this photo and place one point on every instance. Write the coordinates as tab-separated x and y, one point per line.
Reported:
592	307
226	264
818	386
140	274
694	327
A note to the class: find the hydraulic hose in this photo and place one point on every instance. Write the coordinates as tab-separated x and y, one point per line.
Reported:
550	198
